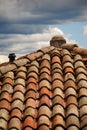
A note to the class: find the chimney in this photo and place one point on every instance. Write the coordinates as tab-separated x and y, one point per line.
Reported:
57	41
11	57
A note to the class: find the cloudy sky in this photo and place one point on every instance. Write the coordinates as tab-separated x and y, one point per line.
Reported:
27	25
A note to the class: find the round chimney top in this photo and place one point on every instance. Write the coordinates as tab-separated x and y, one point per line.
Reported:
57	41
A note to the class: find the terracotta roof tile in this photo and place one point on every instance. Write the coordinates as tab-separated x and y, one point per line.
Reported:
57	83
58	121
45	101
44	110
58	110
4	104
16	113
43	120
43	127
4	114
72	120
3	124
29	111
14	123
45	90
72	110
17	104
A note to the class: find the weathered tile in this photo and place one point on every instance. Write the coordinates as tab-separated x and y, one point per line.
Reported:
14	123
45	76
16	113
18	95
65	52
82	92
33	68
57	76
67	58
69	47
56	65
69	76
80	77
29	111
72	121
71	100
57	84
80	70
58	92
31	103
68	64
58	110
58	121
43	127
19	88
56	59
70	83
5	95
83	110
44	110
45	91
82	101
33	74
79	64
9	74
8	88
70	92
44	83
82	84
59	128
8	81
18	104
32	86
57	100
4	104
46	57
30	94
3	124
44	100
73	128
4	114
45	70
21	62
72	110
43	120
45	63
20	81
29	121
69	70
84	122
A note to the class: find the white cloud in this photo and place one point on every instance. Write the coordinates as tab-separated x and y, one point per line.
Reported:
22	44
3	58
85	30
38	11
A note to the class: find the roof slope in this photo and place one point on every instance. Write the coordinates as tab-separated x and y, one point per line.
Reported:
44	90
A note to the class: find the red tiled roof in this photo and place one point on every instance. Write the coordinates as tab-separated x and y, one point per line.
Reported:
44	90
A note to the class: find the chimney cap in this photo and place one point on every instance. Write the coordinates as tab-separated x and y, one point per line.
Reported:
11	57
12	54
58	38
57	41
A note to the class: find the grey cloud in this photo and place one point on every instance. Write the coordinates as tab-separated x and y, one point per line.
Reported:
22	28
39	11
32	16
26	43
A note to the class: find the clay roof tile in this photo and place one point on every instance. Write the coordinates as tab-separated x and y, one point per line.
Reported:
45	90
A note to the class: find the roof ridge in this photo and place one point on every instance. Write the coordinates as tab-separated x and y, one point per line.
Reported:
38	54
24	60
